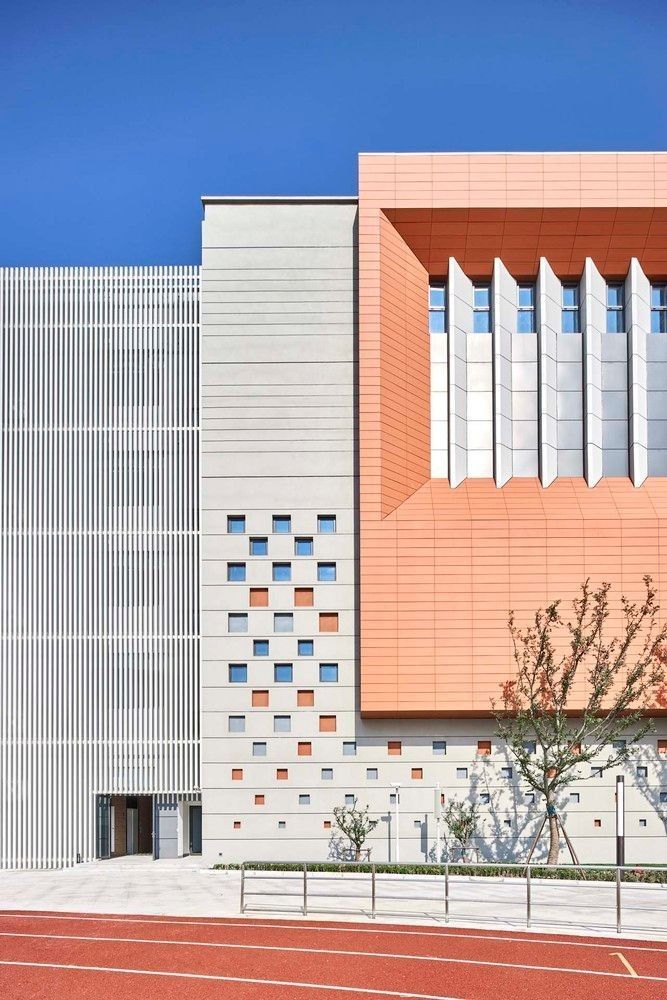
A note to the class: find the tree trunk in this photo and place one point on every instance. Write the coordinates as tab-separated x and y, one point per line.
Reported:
357	852
554	836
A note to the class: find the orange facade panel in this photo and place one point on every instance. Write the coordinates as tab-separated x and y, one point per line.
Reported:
441	568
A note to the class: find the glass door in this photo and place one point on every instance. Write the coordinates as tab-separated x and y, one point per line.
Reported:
103	827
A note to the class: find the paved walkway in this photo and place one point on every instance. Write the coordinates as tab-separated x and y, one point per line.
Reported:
183	888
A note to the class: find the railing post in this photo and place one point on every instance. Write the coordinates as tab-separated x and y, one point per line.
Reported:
305	890
528	899
243	887
618	899
447	892
372	890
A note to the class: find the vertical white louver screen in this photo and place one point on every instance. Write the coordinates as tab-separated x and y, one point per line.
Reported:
98	548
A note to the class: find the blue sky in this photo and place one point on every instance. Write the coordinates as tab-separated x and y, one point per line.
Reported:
116	117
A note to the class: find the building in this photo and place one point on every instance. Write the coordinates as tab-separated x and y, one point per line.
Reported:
415	409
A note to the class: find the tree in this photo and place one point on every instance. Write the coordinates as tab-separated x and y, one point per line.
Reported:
545	727
356	824
461	820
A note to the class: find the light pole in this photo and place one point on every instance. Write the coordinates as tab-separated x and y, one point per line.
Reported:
397	813
437	809
620	820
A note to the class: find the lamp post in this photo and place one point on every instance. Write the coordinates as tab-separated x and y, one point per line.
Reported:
397	813
620	820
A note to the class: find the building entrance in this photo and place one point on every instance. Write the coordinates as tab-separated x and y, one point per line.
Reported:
124	825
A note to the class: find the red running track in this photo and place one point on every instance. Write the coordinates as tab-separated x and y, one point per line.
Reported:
81	957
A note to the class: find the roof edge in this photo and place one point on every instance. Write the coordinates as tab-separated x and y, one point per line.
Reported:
250	199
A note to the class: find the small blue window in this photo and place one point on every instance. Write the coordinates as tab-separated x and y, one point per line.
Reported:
326	572
260	647
326	524
282	524
238	673
235	524
237	621
439	748
596	772
328	673
306	647
259	546
437	309
615	308
350	748
282	572
236	572
282	723
525	321
570	310
481	309
530	746
574	797
371	774
658	308
259	749
349	799
236	724
303	546
283	621
283	673
461	772
663	796
484	798
327	774
304	800
642	772
506	772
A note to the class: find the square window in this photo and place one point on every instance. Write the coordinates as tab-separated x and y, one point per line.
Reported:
282	524
482	297
596	772
260	647
281	824
417	823
529	798
392	798
259	597
237	621
574	797
461	772
235	524
436	297
371	774
304	800
283	621
506	772
305	699
507	822
484	748
281	572
642	822
485	798
439	748
663	797
394	748
282	724
304	749
662	747
236	572
259	546
303	597
530	746
417	773
327	723
328	621
642	772
327	774
237	824
237	774
436	321
260	699
349	800
259	749
619	744
238	673
597	823
305	647
236	724
328	673
326	524
350	748
327	824
526	296
260	800
326	572
283	673
303	546
282	774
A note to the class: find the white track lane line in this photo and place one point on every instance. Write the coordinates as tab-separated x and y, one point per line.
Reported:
332	951
344	928
232	979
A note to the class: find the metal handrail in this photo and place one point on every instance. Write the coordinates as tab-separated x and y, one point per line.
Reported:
258	869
